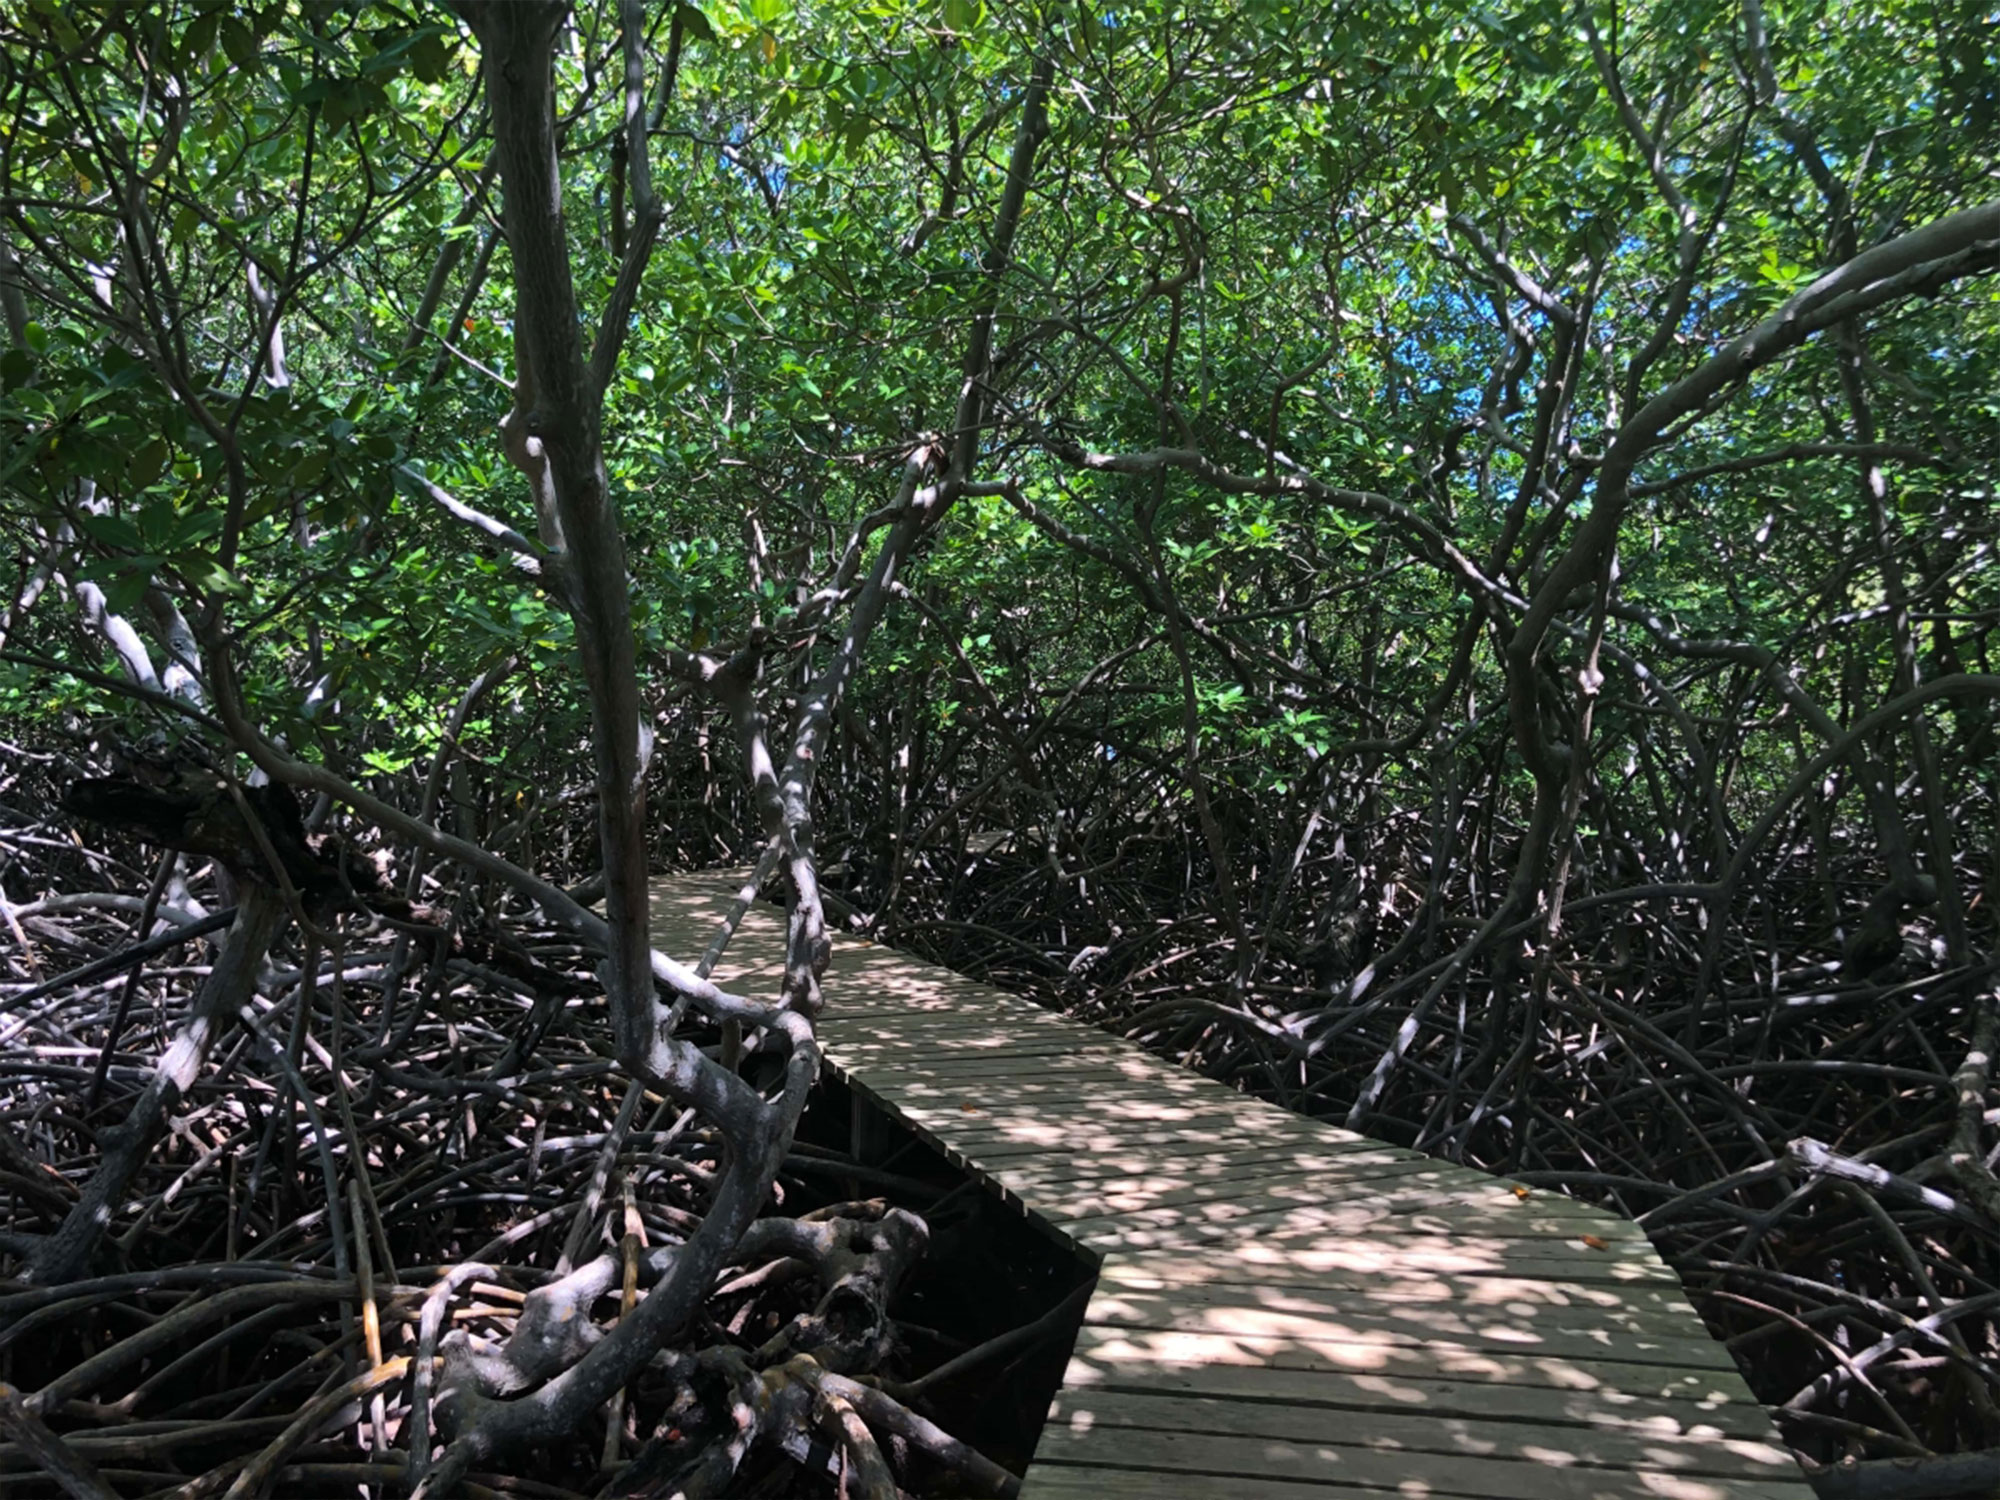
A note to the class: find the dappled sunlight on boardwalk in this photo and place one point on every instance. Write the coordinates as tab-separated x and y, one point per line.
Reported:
1285	1310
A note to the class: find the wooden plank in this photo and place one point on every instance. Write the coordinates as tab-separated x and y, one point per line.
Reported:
854	955
891	1024
914	999
1346	1320
1184	1453
1429	1190
1243	1133
1021	1151
886	989
1408	1255
1120	1352
898	997
1006	1143
1063	1481
855	999
1136	1105
1391	1283
976	1065
1099	1077
1075	1482
1073	1118
984	1143
969	1061
1061	1111
1166	1171
1039	1124
1020	1180
909	1031
1281	1212
1019	1136
1524	1306
1091	1090
1385	1245
1701	1449
1145	1171
1557	1409
1495	1235
1107	1192
972	1059
1286	1310
971	1054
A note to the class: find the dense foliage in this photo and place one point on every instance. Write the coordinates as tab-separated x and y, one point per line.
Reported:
1437	563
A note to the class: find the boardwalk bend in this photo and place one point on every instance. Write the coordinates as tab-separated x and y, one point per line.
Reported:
1284	1310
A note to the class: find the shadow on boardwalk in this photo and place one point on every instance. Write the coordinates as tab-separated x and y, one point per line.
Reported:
1285	1310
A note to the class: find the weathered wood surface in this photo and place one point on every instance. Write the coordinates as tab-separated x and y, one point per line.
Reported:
1285	1310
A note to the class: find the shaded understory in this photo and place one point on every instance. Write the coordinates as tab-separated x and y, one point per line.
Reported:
414	1142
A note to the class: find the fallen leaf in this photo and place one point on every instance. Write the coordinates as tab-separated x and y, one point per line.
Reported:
1595	1243
1520	1192
969	1109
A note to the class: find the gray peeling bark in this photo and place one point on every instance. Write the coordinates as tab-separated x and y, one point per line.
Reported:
784	796
918	508
555	438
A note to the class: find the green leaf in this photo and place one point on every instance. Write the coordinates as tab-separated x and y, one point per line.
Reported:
211	577
147	464
239	42
112	531
198	526
430	57
123	592
200	36
694	25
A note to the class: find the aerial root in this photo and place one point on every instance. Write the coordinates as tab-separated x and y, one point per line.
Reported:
821	1419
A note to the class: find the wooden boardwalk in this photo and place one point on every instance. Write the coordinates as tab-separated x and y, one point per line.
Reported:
1284	1310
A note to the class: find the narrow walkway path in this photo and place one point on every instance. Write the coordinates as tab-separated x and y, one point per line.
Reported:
1285	1310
